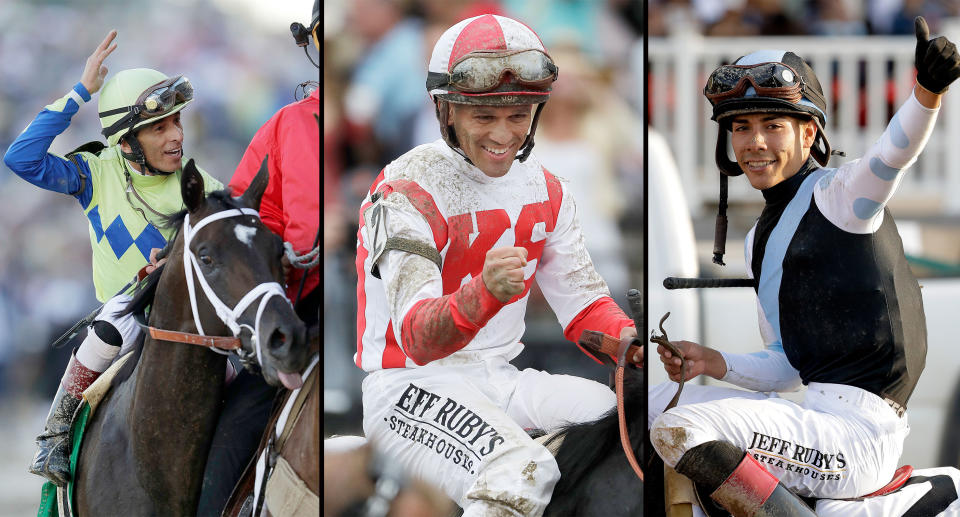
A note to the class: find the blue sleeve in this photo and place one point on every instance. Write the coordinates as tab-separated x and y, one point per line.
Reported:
27	156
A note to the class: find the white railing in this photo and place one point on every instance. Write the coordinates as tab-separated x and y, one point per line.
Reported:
865	80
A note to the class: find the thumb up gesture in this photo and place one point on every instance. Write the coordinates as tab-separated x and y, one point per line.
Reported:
937	61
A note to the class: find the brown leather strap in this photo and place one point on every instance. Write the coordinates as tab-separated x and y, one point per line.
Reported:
623	348
311	382
221	342
664	341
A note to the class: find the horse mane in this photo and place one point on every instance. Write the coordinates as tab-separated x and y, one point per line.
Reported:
585	445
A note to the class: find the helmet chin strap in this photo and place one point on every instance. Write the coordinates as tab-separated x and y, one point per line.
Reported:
138	156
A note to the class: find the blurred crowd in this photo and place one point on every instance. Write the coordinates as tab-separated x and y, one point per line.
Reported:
376	108
796	17
242	72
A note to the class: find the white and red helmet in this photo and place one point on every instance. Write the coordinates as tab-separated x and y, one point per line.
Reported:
490	60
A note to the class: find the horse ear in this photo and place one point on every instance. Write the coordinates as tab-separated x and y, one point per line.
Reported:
258	186
191	187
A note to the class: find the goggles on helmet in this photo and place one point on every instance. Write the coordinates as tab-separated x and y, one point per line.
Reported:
162	97
775	80
482	71
153	102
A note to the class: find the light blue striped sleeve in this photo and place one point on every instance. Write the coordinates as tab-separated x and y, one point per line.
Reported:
28	155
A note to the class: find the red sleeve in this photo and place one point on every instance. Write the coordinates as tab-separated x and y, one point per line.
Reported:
438	327
603	315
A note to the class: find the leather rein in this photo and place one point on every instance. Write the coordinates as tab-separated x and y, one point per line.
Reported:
602	347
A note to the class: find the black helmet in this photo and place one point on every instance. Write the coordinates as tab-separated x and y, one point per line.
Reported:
766	81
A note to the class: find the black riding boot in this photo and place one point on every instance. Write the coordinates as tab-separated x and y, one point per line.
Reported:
52	460
739	483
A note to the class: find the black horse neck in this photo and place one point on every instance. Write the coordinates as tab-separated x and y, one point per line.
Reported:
177	396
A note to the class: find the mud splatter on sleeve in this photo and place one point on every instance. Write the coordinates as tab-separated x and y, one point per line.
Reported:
437	327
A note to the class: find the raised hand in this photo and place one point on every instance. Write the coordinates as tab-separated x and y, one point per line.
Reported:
937	61
503	272
94	72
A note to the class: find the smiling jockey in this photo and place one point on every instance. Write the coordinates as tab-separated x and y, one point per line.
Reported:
453	233
839	309
124	189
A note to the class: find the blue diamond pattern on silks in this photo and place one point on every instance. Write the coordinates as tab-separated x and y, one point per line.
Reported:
148	239
119	237
94	216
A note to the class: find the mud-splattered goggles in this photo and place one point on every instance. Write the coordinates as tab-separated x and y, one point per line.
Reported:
775	80
482	71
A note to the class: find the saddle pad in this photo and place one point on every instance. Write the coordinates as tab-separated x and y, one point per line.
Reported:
554	447
95	392
49	504
288	495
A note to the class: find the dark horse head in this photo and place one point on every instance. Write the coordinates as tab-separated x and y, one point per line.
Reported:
233	274
145	447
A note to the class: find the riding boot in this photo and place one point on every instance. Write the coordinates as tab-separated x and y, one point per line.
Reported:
739	483
52	460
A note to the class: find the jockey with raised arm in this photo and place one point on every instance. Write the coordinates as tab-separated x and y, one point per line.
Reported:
124	189
453	233
839	309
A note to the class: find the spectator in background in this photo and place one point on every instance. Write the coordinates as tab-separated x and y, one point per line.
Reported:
383	97
583	134
291	204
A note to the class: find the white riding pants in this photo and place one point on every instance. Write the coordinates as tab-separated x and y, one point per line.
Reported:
840	442
462	429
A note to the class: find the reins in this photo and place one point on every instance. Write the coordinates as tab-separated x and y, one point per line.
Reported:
624	347
621	412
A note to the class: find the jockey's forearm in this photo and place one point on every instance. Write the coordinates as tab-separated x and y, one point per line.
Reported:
437	327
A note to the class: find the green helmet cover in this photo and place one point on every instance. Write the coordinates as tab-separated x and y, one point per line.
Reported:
123	90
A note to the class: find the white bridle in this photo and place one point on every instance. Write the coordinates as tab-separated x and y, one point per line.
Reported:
229	316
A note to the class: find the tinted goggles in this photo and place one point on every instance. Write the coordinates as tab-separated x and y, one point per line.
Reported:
162	97
483	71
775	80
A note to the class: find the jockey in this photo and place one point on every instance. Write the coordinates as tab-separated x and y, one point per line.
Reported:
453	233
291	205
124	189
840	310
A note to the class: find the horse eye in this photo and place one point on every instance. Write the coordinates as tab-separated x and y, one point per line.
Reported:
206	260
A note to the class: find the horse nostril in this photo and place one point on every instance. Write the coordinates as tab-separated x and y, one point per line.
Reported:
277	340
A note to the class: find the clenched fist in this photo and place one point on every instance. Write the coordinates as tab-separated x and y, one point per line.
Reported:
503	272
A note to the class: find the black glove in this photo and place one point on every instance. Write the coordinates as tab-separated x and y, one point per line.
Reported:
937	61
